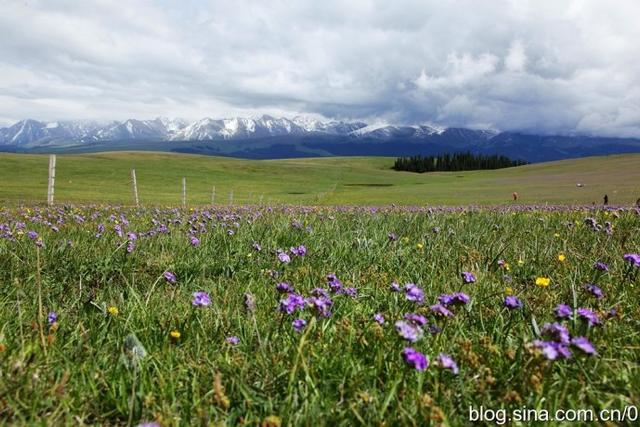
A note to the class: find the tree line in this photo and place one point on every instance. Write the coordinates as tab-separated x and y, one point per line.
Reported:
454	162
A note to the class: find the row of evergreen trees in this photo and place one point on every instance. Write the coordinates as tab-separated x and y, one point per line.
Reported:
454	162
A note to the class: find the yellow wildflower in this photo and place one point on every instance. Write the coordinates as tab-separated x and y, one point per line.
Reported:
174	334
419	246
508	291
562	258
112	310
543	282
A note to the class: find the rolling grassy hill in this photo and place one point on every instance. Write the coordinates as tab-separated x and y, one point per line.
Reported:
105	178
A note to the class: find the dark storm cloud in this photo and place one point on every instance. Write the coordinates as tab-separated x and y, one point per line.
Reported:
543	66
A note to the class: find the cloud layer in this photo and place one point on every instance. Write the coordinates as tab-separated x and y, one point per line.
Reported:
539	66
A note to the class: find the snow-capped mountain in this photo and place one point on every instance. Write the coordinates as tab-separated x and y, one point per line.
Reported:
385	131
269	137
33	132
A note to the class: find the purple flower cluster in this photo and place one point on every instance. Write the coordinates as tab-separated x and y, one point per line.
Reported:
593	290
512	302
200	299
633	259
170	277
456	298
468	277
291	303
415	359
413	293
409	330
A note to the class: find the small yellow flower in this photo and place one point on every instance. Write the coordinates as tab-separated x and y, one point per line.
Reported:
508	291
562	258
543	282
520	262
112	310
174	334
556	235
419	246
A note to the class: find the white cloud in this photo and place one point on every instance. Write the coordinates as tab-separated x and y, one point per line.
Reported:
545	66
516	58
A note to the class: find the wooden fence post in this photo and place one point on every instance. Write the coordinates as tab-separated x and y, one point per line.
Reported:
52	179
135	187
184	192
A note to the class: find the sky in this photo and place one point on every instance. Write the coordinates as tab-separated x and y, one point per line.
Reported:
541	66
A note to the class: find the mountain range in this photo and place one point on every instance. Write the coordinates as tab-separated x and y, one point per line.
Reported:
270	137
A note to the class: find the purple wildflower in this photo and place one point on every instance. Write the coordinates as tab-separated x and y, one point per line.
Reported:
32	235
352	292
512	302
601	266
194	241
322	305
299	324
593	290
551	350
378	317
563	311
392	237
468	277
170	277
440	310
284	287
320	292
130	246
292	303
284	257
52	317
445	299
588	315
556	332
233	340
395	287
256	246
446	362
299	251
413	293
633	259
408	330
415	359
131	236
415	319
584	344
201	299
459	298
334	283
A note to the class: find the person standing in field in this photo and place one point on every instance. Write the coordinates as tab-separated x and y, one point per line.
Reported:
606	200
515	196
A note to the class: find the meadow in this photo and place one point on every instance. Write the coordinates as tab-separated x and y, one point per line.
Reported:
272	316
105	178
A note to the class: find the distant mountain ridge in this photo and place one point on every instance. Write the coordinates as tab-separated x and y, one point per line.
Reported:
270	137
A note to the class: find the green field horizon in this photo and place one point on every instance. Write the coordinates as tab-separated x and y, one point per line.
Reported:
105	178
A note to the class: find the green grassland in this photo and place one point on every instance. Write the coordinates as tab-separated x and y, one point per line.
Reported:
342	369
105	178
